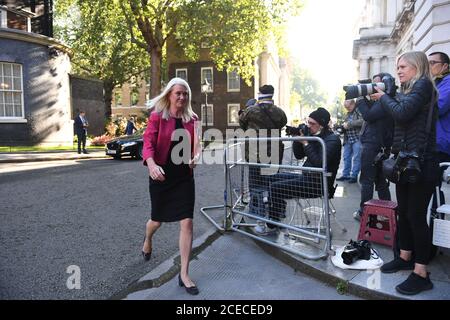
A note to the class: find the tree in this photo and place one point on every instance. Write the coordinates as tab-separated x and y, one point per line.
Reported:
237	31
97	32
306	92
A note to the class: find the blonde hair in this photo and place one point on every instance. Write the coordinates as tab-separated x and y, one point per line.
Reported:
419	61
161	103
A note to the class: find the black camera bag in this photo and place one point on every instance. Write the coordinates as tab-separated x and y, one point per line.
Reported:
391	170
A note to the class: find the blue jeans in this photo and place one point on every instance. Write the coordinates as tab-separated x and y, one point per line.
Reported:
352	159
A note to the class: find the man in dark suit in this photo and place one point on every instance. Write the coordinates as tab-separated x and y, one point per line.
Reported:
80	129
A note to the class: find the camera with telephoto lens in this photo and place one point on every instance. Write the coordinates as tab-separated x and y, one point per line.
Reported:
297	131
366	87
409	165
356	250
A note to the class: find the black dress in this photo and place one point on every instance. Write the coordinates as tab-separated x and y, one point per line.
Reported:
173	199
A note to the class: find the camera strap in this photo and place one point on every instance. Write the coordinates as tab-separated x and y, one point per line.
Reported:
429	120
374	253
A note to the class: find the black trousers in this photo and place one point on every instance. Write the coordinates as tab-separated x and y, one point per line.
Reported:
372	175
413	231
81	141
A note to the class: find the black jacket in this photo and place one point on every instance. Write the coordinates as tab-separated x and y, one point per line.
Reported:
79	127
313	154
410	113
379	125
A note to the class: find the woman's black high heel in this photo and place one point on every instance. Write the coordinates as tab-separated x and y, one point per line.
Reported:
146	255
191	290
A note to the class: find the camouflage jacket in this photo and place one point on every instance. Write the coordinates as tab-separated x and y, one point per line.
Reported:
263	116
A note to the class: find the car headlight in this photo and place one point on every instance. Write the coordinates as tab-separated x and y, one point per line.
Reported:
128	144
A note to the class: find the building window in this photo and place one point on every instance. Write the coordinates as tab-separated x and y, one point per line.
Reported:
233	114
118	98
134	96
11	94
181	73
207	73
3	19
208	112
233	81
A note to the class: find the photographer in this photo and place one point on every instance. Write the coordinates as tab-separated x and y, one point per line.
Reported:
414	134
352	146
305	185
262	115
376	139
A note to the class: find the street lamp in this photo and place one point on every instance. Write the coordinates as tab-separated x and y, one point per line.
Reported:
205	89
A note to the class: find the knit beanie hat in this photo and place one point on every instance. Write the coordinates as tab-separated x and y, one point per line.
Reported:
250	102
322	116
265	92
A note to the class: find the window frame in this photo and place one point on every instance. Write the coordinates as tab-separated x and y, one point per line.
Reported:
118	92
134	90
3	18
228	82
211	106
5	118
229	106
182	69
202	78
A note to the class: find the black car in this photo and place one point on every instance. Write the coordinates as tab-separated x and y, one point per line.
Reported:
126	146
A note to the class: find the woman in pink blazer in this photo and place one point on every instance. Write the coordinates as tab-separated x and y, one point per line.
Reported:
170	147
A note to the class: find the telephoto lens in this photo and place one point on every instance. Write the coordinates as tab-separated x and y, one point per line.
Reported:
361	90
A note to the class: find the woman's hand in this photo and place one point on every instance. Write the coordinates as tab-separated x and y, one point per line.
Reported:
377	96
193	162
156	172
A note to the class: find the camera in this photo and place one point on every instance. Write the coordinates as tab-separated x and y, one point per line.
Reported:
363	88
409	164
339	128
297	131
356	250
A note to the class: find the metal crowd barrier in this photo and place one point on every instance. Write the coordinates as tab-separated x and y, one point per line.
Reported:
290	198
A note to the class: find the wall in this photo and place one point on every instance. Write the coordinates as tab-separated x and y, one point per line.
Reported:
46	91
87	95
432	26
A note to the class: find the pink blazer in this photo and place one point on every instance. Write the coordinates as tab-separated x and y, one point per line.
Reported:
157	138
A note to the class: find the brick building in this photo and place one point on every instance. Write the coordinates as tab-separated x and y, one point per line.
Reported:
228	92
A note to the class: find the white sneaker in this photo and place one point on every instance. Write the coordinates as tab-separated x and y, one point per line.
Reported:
357	215
261	228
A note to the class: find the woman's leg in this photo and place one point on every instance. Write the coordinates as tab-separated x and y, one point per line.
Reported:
405	236
150	229
419	198
186	235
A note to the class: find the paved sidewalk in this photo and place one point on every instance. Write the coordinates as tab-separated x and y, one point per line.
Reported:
49	156
231	266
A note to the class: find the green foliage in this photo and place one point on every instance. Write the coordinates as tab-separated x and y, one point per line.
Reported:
237	31
98	34
306	92
342	287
